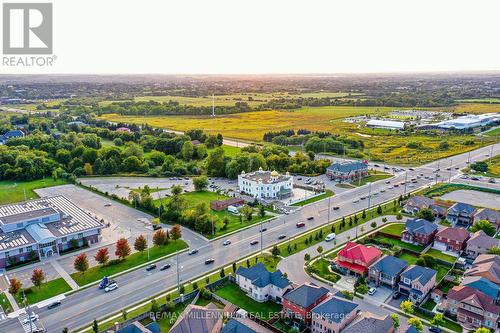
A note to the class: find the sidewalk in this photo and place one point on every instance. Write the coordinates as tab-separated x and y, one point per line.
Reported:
62	272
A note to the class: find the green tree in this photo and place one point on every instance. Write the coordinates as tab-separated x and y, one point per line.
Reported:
395	321
95	326
482	330
187	150
320	249
222	273
200	183
140	243
307	257
437	320
426	214
417	323
485	226
407	307
262	211
275	251
494	250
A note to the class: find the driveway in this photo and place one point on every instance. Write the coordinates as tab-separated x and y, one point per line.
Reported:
382	294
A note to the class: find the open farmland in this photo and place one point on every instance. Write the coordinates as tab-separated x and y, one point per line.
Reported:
253	99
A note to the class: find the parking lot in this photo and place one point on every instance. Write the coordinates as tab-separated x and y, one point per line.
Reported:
476	198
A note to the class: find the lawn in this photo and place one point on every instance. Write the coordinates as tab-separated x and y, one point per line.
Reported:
235	295
11	191
397	242
196	197
447	323
320	268
439	255
167	322
5	304
372	178
393	229
96	273
429	305
409	258
441	269
495	132
46	290
441	189
229	151
328	193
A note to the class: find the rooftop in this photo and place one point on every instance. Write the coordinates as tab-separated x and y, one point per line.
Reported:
419	273
334	309
420	226
390	265
386	123
370	323
348	166
261	277
305	295
266	177
457	234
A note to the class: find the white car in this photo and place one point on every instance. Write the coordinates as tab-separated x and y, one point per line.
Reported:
372	291
226	242
330	237
356	201
111	287
32	318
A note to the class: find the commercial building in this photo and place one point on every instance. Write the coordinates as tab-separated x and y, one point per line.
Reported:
44	228
386	124
266	184
347	171
468	122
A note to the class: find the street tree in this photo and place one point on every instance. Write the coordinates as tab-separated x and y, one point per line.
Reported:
81	263
37	277
15	286
122	248
140	243
102	256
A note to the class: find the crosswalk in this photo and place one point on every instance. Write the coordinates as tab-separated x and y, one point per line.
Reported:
30	327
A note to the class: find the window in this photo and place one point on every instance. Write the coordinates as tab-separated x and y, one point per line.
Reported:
21	250
19	225
29	248
80	235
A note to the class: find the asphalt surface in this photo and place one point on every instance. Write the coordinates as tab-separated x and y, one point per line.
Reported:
80	308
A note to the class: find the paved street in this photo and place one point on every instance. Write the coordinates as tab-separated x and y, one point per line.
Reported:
82	307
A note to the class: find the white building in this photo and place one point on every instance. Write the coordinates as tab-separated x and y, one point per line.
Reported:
385	124
266	184
260	284
469	121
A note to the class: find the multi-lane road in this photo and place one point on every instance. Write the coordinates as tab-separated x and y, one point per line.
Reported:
82	307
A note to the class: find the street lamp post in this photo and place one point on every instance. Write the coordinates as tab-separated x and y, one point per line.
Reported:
329	202
178	272
406	180
369	194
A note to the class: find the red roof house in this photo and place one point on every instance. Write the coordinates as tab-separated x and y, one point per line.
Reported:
356	258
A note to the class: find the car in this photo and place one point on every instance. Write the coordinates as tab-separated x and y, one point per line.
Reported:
54	305
363	198
300	224
456	168
396	185
382	190
300	178
336	208
372	291
388	182
151	267
226	242
386	168
209	261
310	218
448	169
464	177
435	329
263	229
254	242
157	227
374	193
492	180
194	251
355	201
474	178
390	187
282	236
111	287
105	282
330	237
186	178
164	267
411	169
396	295
31	318
107	204
376	165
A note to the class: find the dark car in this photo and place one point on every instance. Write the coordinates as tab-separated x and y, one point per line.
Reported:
435	329
336	208
263	229
164	267
474	178
300	224
254	242
54	305
281	236
157	227
192	252
151	267
209	261
396	295
310	218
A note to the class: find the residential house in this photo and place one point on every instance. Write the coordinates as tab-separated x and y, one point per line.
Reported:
299	302
439	211
199	319
243	325
387	271
416	203
487	266
451	240
333	315
356	258
347	171
416	282
11	135
484	285
260	284
461	214
367	322
473	308
491	215
137	327
419	231
480	243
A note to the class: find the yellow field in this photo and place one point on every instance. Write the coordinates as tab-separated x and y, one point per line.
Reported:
230	100
476	108
251	126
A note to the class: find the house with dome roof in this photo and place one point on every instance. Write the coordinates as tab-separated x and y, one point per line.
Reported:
266	184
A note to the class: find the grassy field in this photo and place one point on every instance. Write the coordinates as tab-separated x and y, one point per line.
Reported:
411	259
5	304
229	151
494	133
480	100
439	255
373	177
393	229
401	244
46	290
196	197
320	267
386	146
11	191
235	295
253	99
328	193
98	272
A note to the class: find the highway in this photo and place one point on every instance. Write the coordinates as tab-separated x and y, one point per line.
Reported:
82	307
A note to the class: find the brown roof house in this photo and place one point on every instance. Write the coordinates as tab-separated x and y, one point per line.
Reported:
199	319
473	308
487	266
367	322
491	215
416	203
480	243
451	240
